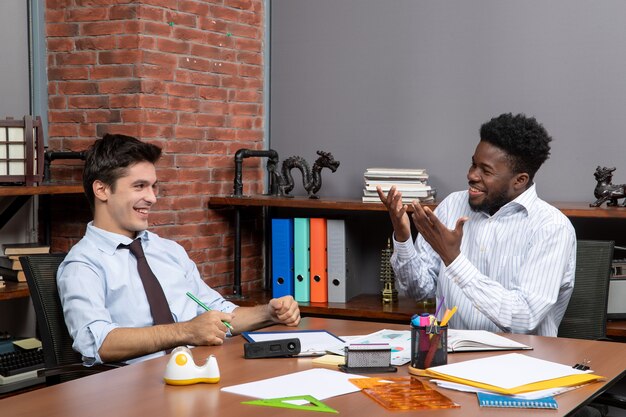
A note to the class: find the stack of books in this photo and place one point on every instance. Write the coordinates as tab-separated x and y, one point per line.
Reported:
10	266
412	183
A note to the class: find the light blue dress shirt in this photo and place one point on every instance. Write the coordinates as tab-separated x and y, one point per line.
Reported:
515	272
100	288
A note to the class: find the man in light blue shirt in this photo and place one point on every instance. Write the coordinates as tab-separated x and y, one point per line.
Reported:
505	257
105	306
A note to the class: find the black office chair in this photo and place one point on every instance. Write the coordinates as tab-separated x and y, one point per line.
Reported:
62	363
585	317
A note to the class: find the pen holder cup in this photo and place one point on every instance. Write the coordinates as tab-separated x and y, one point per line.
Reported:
429	346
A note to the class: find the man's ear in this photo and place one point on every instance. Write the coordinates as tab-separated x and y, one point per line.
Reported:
100	190
520	181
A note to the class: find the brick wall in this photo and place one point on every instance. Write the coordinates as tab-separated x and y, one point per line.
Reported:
186	75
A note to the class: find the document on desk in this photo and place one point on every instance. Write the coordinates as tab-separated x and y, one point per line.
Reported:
318	382
312	342
513	373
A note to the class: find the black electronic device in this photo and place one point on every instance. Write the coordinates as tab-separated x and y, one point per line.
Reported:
271	348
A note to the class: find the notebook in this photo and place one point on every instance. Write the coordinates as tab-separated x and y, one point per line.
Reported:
505	401
478	340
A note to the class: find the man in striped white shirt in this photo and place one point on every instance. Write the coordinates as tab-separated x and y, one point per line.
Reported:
505	257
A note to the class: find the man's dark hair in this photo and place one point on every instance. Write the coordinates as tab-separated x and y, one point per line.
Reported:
525	141
108	158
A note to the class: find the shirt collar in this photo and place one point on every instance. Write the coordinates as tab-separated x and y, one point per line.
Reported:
522	202
108	242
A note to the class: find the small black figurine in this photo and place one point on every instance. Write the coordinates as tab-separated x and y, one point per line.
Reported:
311	179
605	190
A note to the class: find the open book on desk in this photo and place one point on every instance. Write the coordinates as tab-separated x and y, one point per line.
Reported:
477	340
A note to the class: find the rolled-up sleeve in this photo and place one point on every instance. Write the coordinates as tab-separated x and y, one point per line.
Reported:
81	291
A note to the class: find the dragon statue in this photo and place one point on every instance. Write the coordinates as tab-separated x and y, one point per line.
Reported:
311	178
605	190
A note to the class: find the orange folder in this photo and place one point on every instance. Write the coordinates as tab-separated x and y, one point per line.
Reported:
319	272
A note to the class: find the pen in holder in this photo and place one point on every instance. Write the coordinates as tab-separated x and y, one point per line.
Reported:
429	346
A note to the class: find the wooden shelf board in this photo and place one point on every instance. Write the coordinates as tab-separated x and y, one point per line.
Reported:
45	189
574	210
14	290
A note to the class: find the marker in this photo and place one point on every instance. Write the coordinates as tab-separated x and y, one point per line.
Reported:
206	307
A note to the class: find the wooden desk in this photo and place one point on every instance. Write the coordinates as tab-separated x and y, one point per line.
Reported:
138	390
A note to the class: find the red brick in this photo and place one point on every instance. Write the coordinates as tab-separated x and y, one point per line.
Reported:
119	87
198	78
119	57
212	52
87	102
146	12
61	29
180	146
156	72
66	116
185	104
153	101
153	87
244	109
101	116
97	43
87	14
111	71
182	90
180	19
254	45
78	87
124	101
156	116
214	94
75	58
191	161
132	116
131	41
221	133
252	58
187	34
62	129
156	131
212	24
250	71
57	102
189	132
195	7
123	12
124	129
210	120
102	28
220	39
214	107
173	46
225	13
248	96
245	31
68	73
60	44
157	28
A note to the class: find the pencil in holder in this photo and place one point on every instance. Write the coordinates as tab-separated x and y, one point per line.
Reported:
429	346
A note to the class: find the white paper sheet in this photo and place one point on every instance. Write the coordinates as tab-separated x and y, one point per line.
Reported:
507	371
319	383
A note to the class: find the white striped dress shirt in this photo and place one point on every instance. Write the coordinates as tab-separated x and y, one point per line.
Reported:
515	272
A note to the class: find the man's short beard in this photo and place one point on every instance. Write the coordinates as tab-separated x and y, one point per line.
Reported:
491	205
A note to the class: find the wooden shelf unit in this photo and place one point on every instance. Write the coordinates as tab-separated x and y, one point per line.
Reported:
369	306
22	193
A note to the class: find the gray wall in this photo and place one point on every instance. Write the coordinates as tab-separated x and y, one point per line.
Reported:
407	83
14	82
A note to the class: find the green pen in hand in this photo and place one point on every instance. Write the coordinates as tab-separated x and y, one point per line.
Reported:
206	307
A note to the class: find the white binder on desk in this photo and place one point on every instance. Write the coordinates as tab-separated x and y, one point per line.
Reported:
341	286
